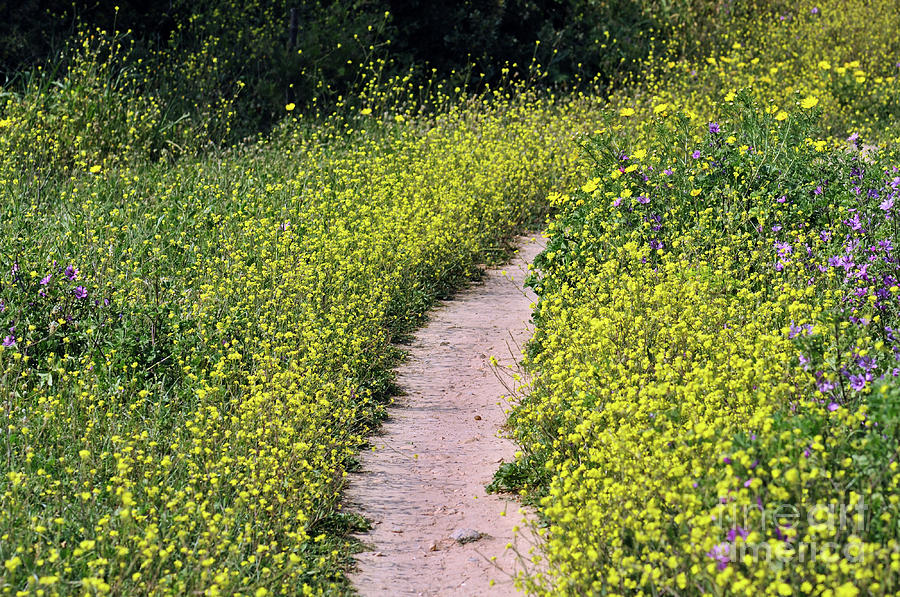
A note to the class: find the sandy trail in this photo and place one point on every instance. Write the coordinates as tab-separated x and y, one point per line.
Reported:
440	447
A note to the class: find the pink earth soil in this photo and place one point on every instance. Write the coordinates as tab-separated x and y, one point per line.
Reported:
442	444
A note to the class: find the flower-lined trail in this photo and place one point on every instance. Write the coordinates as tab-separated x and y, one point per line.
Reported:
440	447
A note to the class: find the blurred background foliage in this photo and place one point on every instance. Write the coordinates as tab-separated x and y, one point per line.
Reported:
239	63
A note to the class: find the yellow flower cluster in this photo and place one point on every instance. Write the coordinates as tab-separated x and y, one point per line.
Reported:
644	371
681	447
715	360
833	54
193	353
100	111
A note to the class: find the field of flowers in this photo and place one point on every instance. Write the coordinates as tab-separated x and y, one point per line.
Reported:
196	340
715	404
194	350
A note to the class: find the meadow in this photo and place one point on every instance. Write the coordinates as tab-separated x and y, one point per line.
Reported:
193	350
198	327
713	404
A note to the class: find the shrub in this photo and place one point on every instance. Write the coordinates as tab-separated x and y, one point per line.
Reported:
192	353
715	350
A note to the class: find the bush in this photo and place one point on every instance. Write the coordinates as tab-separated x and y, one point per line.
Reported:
259	56
96	113
192	353
714	348
829	52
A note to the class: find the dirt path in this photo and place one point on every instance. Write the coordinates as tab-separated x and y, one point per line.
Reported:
440	447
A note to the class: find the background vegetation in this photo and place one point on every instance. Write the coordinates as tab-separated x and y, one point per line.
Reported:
715	364
305	51
216	217
197	334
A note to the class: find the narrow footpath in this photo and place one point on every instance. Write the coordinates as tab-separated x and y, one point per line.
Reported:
436	531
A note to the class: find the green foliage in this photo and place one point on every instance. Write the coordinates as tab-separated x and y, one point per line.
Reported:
95	111
194	349
715	343
231	67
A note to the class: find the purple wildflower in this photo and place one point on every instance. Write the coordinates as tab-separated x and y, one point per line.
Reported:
783	248
714	127
9	341
668	172
80	292
720	553
782	199
844	261
643	199
858	382
862	272
833	407
655	244
46	280
71	273
696	155
854	222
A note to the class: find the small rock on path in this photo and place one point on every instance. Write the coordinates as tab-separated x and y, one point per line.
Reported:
466	535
